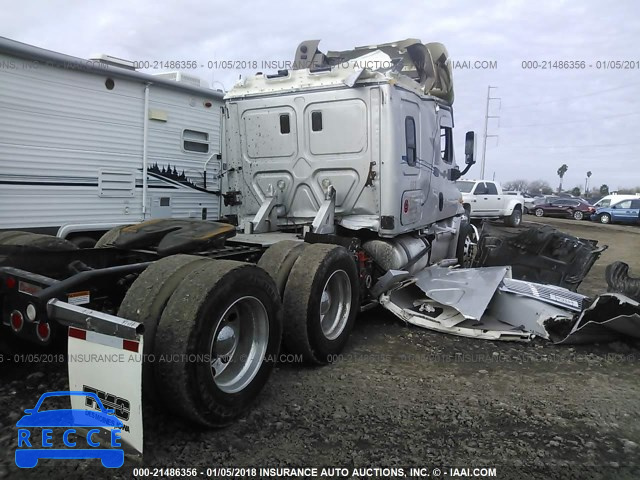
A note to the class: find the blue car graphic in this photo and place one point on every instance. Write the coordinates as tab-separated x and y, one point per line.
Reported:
69	419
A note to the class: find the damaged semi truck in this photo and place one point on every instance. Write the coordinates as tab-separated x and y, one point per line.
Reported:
336	174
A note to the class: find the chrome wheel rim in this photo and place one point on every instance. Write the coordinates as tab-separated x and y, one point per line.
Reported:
239	344
470	247
539	212
335	304
604	219
577	215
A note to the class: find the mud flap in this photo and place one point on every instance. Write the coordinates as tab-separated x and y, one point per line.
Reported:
105	357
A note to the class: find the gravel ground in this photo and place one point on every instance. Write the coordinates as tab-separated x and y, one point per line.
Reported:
406	397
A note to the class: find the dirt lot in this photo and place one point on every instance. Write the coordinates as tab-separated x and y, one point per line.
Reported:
402	396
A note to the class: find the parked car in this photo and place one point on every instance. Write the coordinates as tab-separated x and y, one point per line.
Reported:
626	211
610	199
485	199
564	207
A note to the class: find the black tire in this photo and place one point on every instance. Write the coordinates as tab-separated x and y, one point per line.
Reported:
605	218
146	299
578	215
278	261
467	245
8	235
83	241
526	211
36	240
310	275
200	309
109	237
515	219
467	211
539	212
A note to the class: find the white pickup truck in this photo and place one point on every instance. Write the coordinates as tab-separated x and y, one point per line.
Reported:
485	199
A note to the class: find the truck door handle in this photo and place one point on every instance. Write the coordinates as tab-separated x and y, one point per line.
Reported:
486	198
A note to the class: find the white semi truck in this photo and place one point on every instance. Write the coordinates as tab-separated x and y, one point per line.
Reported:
336	175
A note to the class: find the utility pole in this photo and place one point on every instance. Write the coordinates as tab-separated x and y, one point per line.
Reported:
486	126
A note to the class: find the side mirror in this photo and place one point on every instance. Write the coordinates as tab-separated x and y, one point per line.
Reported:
470	148
615	206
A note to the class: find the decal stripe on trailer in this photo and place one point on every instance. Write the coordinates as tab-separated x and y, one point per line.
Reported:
106	340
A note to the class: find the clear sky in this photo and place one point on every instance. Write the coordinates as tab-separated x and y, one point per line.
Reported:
585	117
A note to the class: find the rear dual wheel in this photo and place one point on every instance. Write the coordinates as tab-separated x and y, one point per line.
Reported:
515	219
321	301
214	328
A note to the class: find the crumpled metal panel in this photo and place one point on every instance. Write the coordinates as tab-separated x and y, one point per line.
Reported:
404	303
474	303
485	303
427	64
610	317
551	294
525	313
468	290
538	254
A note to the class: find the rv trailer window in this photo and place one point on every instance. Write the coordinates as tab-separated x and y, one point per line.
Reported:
446	150
285	127
316	121
194	141
410	136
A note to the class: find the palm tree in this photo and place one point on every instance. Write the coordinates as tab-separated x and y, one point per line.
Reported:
561	171
586	183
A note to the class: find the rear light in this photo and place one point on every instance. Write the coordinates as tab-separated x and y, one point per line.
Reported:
31	312
17	321
10	282
43	330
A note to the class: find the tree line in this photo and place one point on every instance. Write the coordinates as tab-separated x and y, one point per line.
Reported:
542	187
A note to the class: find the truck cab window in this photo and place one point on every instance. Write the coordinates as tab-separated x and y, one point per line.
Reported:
410	138
446	144
491	189
285	126
316	121
481	189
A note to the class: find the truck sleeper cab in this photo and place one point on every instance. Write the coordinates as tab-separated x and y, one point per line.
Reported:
334	176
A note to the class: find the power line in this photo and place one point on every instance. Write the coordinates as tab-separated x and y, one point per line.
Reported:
571	121
620	156
572	146
591	94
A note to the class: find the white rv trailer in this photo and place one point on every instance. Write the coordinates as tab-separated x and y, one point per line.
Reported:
76	137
